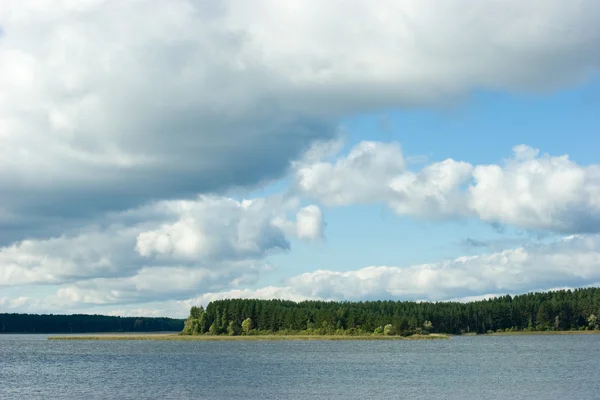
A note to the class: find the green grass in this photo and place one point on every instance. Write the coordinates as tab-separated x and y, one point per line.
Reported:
247	338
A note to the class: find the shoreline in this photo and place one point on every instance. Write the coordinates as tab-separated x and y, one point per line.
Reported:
215	338
248	338
542	333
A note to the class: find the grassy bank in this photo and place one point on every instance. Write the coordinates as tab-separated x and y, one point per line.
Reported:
248	338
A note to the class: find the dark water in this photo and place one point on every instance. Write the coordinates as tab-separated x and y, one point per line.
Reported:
500	367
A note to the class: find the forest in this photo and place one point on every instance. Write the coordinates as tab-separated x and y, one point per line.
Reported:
557	310
81	323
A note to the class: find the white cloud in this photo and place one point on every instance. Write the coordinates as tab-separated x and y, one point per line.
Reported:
217	228
362	176
107	105
158	283
18	303
214	240
121	106
56	260
538	192
434	192
567	263
530	191
309	223
266	293
573	261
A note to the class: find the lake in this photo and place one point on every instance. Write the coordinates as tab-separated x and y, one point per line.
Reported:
484	367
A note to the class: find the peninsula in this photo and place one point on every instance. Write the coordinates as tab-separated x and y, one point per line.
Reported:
555	312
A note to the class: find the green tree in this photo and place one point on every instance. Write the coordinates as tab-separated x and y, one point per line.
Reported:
233	329
247	325
529	311
541	319
196	312
593	321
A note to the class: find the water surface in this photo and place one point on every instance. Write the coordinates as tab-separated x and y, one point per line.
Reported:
496	367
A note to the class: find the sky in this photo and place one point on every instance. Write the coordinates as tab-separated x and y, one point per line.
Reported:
159	155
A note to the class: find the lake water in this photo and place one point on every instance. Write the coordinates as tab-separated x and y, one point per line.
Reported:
496	367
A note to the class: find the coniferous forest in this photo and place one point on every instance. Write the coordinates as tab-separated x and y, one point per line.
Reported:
557	310
34	323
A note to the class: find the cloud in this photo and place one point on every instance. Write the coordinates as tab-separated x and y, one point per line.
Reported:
67	258
114	116
108	106
216	228
567	263
266	293
18	303
573	261
210	241
538	192
91	302
160	283
309	223
529	190
434	192
361	176
570	262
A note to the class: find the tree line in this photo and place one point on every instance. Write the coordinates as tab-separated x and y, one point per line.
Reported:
81	323
557	310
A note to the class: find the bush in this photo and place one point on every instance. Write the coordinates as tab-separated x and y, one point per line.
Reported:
389	330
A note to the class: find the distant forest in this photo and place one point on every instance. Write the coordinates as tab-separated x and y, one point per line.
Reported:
81	323
557	310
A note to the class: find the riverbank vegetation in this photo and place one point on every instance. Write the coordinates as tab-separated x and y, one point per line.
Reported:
568	310
246	337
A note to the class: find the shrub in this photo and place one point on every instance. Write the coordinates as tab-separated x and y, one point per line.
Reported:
389	330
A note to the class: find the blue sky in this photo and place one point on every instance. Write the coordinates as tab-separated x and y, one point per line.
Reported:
160	156
480	130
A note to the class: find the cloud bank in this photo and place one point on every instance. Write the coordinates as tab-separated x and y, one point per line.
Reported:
128	127
107	106
570	262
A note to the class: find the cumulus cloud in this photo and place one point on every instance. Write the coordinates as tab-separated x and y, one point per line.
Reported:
215	228
433	192
359	177
215	241
538	192
105	106
67	258
112	112
99	303
309	223
529	190
573	261
266	293
569	262
160	283
18	303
